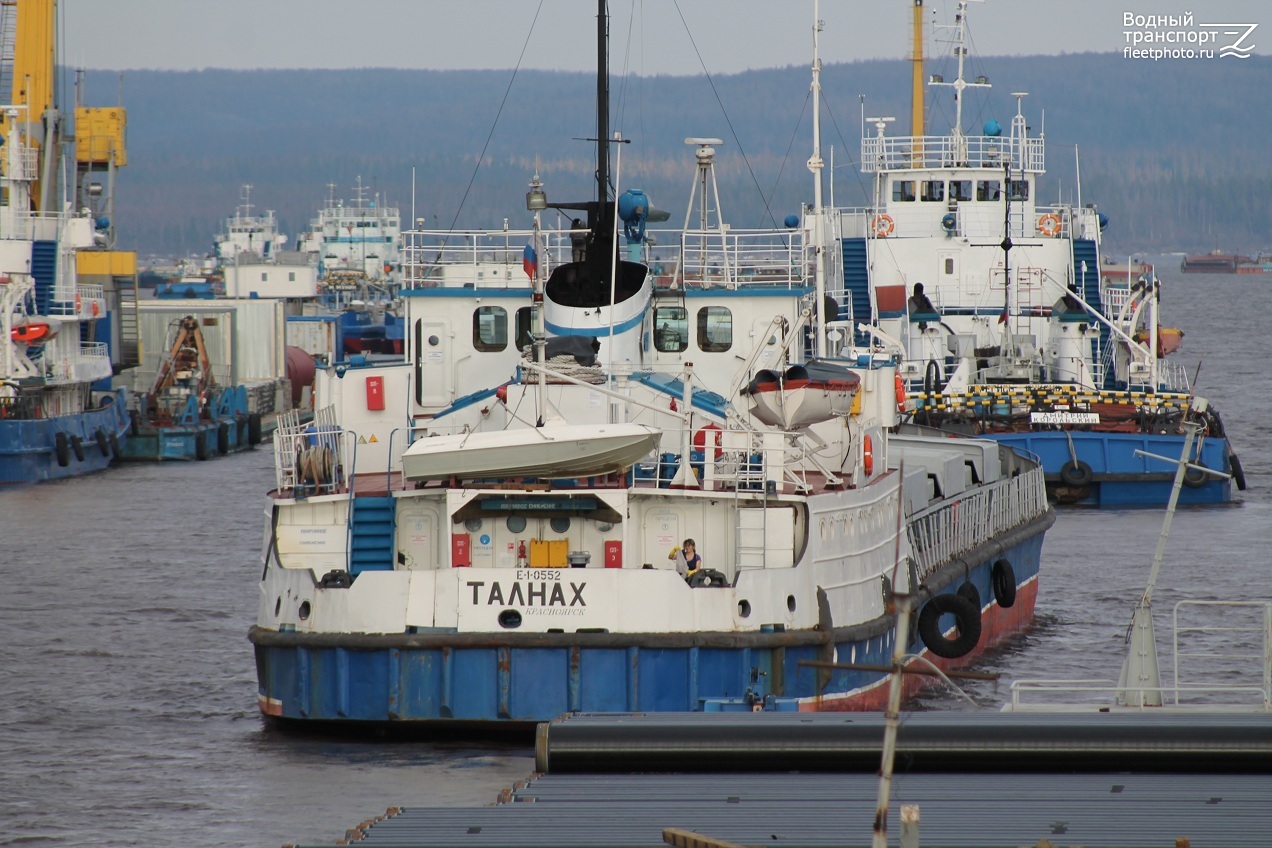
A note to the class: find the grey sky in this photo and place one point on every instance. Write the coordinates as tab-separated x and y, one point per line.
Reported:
731	35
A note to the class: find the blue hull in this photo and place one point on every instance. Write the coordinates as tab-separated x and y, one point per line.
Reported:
186	442
29	448
352	681
1118	476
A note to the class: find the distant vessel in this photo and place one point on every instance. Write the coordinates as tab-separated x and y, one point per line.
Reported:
63	291
1011	325
1227	263
489	528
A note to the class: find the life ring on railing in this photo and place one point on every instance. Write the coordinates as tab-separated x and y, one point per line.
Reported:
884	225
78	303
96	308
900	394
867	455
1049	224
700	439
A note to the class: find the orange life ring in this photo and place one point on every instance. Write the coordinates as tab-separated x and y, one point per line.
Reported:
900	394
884	225
78	303
1049	224
867	455
700	439
95	308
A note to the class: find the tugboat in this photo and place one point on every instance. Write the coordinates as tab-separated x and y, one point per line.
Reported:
595	484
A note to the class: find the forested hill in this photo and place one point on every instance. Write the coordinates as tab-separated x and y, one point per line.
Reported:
1175	152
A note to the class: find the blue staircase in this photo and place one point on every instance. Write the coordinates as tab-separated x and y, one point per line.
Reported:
856	283
1086	273
371	545
44	270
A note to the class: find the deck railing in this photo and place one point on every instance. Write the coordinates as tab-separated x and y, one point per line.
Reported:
891	153
959	525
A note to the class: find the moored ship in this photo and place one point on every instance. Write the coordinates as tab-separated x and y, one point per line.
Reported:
496	529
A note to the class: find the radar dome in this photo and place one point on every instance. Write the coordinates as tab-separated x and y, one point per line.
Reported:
993	129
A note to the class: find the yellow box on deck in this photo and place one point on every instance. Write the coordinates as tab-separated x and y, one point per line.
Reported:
99	132
549	553
105	263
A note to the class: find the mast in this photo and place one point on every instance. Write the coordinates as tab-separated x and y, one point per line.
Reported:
815	164
602	119
916	73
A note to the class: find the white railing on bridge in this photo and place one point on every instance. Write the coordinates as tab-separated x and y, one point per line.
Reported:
896	153
950	529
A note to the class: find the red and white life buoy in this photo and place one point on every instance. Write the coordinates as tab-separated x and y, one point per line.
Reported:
700	439
1049	224
884	225
867	455
900	394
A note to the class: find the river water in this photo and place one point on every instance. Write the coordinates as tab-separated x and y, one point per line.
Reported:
128	711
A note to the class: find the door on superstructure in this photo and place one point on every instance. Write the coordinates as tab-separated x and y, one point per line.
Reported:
434	364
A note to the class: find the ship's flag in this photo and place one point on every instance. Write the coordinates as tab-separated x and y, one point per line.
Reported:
529	261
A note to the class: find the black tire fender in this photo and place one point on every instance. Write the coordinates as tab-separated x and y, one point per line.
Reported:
62	449
200	445
1195	478
223	438
115	449
967	625
103	443
1076	473
969	591
1003	578
1238	473
77	447
254	428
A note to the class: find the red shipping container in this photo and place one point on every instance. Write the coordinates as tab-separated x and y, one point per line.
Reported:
461	551
614	554
375	393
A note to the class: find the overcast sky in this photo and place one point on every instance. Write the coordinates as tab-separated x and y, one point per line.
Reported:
648	36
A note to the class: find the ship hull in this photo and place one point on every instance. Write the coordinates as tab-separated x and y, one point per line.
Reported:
29	448
1118	476
416	681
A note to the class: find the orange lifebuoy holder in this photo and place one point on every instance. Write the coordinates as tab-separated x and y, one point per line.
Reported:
700	439
884	225
900	394
1049	224
867	455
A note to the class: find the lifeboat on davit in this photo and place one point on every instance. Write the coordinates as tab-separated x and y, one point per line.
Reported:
803	395
32	332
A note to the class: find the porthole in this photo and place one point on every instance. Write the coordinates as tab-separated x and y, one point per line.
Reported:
304	610
434	341
560	524
516	523
790	603
744	608
509	619
472	525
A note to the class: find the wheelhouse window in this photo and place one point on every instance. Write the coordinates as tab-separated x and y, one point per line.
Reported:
671	329
933	190
960	189
903	190
525	327
715	329
989	190
1018	189
490	328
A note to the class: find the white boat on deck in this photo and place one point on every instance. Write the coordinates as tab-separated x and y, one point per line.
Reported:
799	398
552	451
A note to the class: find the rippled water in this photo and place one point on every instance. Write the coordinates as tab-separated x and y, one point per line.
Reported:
128	713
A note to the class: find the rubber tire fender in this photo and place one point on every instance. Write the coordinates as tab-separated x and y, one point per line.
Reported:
967	619
1195	478
1003	578
223	438
62	449
103	443
115	449
200	446
1238	473
1076	474
77	447
254	428
969	591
